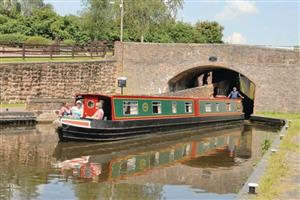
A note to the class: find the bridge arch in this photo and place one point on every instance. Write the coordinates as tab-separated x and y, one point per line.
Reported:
149	67
215	80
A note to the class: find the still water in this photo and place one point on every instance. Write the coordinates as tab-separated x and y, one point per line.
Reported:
197	164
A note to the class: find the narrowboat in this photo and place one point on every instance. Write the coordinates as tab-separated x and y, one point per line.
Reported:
127	117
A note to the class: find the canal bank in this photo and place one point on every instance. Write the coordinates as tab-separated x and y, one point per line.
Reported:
277	174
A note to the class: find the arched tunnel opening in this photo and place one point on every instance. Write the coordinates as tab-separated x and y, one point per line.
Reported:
217	82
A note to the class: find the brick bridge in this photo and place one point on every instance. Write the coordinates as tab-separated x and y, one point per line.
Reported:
158	68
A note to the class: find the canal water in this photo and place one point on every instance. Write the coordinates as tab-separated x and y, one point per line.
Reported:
195	164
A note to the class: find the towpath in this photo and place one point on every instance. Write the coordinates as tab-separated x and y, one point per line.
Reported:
292	180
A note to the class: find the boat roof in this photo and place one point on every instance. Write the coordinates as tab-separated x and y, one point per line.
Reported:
152	97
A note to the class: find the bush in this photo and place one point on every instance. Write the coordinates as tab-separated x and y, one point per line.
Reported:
3	19
38	40
69	42
13	38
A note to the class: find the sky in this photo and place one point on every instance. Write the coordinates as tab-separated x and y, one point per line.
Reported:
260	22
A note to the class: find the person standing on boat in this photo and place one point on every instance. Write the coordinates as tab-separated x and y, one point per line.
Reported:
99	113
65	110
77	110
234	94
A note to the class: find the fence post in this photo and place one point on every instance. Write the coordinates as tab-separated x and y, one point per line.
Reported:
105	50
23	51
91	49
73	48
51	51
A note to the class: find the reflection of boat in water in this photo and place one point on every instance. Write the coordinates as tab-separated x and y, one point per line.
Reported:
105	165
127	117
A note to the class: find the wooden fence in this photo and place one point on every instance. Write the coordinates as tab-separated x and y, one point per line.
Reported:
95	49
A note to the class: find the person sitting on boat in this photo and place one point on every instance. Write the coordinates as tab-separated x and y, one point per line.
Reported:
99	113
234	94
77	110
65	110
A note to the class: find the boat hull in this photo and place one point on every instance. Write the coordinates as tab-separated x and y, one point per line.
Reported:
106	131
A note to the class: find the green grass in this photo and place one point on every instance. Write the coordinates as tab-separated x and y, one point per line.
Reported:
289	116
12	105
270	186
20	60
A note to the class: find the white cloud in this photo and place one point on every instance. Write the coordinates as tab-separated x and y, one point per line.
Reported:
236	8
235	38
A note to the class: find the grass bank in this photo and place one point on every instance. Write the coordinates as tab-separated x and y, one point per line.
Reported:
278	167
12	105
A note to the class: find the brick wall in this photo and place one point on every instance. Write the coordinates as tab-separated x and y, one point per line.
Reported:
22	81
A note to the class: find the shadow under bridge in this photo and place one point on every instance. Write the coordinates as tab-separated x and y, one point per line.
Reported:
207	81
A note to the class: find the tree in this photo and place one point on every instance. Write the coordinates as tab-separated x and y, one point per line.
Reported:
212	32
29	6
97	18
102	17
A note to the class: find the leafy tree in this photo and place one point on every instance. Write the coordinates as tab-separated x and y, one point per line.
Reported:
10	8
144	20
29	6
103	17
97	18
212	32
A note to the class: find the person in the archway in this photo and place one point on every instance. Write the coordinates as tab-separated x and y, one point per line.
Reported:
234	94
204	79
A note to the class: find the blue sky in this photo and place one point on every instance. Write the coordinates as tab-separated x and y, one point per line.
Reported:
261	22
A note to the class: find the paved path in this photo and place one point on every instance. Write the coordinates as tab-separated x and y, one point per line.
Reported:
292	180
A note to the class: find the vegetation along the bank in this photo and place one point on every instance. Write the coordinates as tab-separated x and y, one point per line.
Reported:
278	167
149	21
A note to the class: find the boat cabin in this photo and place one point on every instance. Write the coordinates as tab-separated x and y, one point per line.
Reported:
119	107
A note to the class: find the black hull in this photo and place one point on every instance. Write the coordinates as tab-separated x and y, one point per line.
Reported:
106	131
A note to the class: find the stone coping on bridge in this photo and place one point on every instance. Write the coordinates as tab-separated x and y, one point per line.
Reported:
280	48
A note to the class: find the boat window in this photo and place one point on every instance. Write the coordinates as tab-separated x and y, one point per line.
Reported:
90	104
130	108
156	107
188	107
217	107
208	107
228	107
174	107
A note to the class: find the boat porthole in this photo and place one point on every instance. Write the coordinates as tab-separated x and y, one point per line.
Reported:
90	104
145	107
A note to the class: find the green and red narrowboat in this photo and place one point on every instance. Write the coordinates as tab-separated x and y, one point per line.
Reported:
128	117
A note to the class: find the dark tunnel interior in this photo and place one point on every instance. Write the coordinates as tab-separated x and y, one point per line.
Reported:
221	80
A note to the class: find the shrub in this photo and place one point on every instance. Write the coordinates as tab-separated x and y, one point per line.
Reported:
38	40
13	38
69	42
3	19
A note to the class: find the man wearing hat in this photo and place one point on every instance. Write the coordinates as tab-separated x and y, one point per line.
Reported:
77	110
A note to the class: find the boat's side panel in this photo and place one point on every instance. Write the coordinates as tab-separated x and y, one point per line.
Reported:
145	108
221	107
198	107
